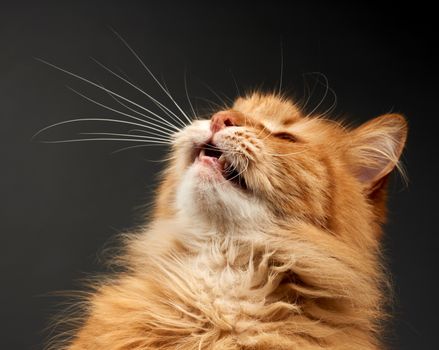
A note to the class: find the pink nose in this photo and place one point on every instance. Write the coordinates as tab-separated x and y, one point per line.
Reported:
221	120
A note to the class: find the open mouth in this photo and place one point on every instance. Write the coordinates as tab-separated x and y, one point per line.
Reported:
215	156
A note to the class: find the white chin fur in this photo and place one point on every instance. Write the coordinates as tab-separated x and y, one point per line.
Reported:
203	192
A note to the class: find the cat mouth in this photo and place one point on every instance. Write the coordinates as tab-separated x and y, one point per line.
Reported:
214	156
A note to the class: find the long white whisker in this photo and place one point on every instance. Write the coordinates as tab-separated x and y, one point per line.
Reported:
78	120
127	135
101	87
129	108
105	139
187	94
171	138
157	103
151	74
167	89
140	130
139	146
156	127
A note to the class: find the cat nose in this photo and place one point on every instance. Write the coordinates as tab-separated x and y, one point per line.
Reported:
222	120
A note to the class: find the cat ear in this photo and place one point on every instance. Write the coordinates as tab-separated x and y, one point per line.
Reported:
376	147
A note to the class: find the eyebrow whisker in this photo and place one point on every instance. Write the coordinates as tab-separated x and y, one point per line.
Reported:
324	95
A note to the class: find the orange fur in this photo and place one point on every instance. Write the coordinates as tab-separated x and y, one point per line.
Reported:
290	262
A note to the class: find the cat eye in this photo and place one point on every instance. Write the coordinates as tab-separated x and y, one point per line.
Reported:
285	136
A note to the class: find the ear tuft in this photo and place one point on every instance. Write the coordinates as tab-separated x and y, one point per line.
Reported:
376	147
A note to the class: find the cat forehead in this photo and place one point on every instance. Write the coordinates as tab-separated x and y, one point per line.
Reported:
270	110
278	114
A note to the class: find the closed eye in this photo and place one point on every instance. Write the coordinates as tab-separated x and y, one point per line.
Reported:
285	136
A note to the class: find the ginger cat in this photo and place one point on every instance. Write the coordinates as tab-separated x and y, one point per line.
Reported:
265	235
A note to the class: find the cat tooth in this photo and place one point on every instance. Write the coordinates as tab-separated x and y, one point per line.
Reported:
201	153
222	160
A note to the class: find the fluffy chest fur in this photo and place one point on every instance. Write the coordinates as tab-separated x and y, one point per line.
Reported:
264	291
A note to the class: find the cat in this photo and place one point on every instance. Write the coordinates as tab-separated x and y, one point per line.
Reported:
265	234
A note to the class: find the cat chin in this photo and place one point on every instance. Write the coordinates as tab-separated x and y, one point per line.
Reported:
208	170
203	182
204	192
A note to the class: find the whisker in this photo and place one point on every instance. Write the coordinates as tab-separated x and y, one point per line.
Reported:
129	108
106	139
157	103
215	104
262	130
187	94
151	74
215	148
99	87
233	166
225	104
281	67
139	146
334	103
324	95
78	120
171	138
143	131
309	91
127	135
164	129
238	92
283	154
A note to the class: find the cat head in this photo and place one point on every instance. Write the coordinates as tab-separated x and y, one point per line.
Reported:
262	159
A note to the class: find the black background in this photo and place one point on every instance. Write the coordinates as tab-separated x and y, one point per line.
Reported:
61	203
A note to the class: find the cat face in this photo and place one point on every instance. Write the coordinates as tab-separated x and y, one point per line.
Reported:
263	159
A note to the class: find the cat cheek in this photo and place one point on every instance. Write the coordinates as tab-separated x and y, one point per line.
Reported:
196	134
